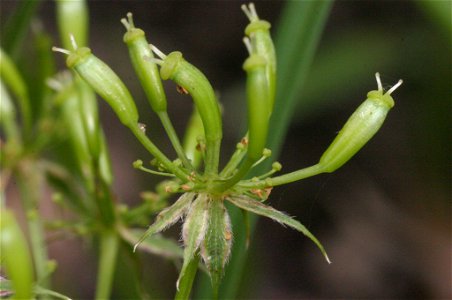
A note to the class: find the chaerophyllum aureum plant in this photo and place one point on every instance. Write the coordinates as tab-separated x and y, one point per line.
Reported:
195	174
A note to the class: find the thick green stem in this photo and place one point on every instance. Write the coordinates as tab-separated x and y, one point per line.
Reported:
146	142
186	282
212	156
109	243
166	122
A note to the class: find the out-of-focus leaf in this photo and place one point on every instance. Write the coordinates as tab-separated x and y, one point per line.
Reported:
155	244
16	256
16	28
40	291
439	12
14	80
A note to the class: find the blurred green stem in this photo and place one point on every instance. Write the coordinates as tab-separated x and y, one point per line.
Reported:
30	185
186	281
109	243
166	122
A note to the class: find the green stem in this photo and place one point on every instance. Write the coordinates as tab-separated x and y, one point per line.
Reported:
146	142
30	186
212	156
166	122
235	160
242	171
109	243
286	178
186	282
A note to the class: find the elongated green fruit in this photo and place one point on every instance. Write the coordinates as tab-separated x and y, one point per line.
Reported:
144	65
73	120
262	44
89	116
104	81
359	128
194	131
16	256
258	107
176	68
258	115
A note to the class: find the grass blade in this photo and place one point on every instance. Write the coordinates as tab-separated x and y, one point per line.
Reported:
16	28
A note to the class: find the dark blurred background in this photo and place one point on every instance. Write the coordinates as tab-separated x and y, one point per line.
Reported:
384	218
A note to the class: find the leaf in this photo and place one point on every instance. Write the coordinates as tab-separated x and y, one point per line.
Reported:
194	230
40	291
6	290
217	245
15	31
155	244
280	217
168	216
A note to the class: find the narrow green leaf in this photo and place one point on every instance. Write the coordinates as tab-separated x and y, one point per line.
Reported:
17	26
13	79
194	230
168	217
8	113
155	244
40	291
280	217
16	258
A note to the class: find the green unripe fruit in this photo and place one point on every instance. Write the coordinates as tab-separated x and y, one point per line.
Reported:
258	32
359	128
104	81
184	74
143	62
258	105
